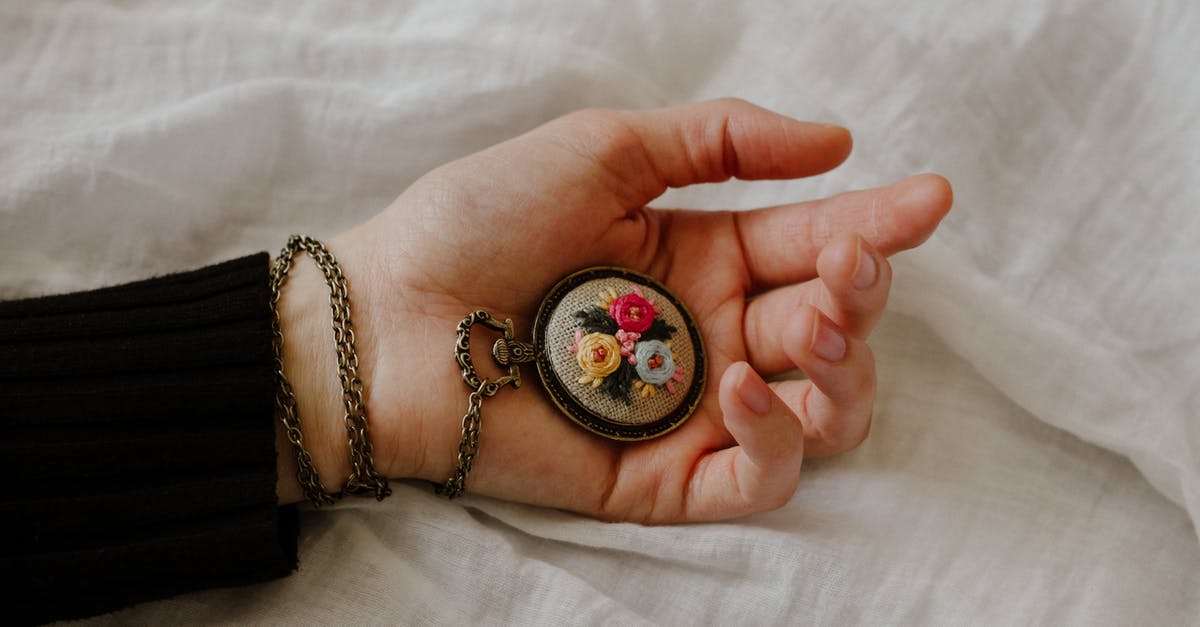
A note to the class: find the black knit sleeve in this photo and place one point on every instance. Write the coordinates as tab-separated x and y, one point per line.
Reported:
137	443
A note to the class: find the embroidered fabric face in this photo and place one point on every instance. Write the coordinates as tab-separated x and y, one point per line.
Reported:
619	354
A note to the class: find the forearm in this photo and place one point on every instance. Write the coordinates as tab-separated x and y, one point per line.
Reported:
141	439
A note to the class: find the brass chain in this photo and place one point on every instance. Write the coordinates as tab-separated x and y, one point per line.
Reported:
285	398
363	477
468	445
509	353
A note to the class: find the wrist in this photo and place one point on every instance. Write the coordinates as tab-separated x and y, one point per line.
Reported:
403	347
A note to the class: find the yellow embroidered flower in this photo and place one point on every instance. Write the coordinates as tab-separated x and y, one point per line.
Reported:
598	355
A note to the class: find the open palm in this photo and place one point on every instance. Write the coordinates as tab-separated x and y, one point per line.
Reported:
794	286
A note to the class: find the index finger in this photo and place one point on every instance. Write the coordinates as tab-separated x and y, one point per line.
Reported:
782	243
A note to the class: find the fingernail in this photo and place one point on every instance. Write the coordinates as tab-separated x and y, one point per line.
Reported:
867	270
828	344
754	393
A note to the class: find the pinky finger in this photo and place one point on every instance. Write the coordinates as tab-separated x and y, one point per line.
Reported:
760	473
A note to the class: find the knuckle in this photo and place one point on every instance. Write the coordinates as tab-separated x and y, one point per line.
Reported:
853	438
885	273
603	134
775	500
865	432
852	430
833	434
768	498
864	374
587	117
606	126
732	103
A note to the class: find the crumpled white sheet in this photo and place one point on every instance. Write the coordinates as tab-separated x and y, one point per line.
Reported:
1056	304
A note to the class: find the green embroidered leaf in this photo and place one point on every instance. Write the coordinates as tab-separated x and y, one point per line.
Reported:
618	383
596	320
660	330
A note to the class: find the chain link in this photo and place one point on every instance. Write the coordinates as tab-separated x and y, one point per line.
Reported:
468	445
363	478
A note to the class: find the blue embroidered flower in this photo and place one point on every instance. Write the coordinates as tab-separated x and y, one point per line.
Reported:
655	364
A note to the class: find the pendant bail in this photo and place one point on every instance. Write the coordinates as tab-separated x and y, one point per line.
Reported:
507	351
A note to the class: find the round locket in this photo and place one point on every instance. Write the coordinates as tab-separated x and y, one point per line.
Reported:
618	353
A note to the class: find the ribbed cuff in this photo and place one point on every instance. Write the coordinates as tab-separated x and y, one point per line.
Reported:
139	442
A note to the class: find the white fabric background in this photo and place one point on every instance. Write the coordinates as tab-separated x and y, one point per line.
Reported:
1041	341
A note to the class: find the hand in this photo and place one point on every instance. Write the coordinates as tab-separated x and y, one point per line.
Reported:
793	286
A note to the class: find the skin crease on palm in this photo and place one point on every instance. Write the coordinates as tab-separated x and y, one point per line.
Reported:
794	286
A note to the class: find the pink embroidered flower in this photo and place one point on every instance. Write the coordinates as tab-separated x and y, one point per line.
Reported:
627	340
678	376
632	312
